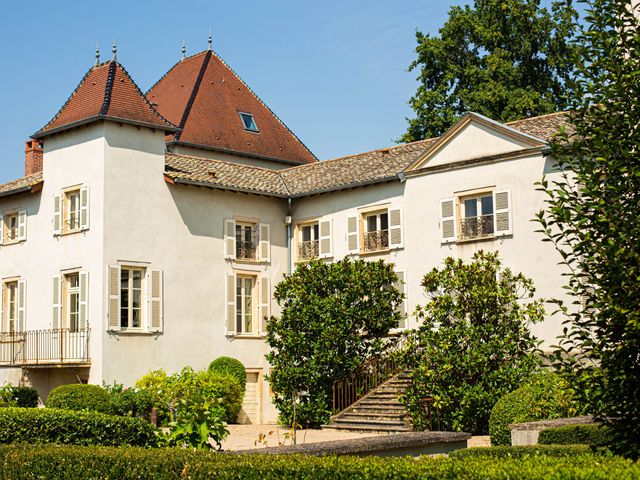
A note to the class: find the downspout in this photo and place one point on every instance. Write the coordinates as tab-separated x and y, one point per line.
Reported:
287	221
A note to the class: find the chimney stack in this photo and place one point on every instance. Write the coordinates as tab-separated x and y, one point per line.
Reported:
33	157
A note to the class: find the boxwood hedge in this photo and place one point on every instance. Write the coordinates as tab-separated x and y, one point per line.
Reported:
593	435
78	396
49	425
75	463
522	451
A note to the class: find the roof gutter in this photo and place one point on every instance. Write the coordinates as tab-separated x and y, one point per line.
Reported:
95	118
182	181
349	186
16	191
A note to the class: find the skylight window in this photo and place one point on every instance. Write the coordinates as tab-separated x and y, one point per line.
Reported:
248	122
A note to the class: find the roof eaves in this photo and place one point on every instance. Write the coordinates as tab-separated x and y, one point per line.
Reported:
183	181
347	186
293	163
84	121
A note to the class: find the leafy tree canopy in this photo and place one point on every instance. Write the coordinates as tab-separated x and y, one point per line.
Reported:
506	59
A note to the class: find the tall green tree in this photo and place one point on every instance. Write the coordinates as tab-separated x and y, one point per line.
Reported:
506	59
592	217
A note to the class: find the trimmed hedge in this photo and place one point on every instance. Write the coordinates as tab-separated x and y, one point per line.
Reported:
79	396
592	435
522	451
49	425
26	397
75	463
230	366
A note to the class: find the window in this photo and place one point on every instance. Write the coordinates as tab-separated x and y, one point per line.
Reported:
72	301
477	216
11	228
246	241
131	288
10	306
72	211
244	304
308	241
248	122
376	231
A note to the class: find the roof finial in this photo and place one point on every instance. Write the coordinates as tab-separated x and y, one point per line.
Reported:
210	39
97	54
114	49
184	50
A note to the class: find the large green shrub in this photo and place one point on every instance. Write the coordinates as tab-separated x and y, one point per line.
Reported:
11	396
318	338
79	397
230	366
132	402
473	344
50	425
546	396
592	435
521	451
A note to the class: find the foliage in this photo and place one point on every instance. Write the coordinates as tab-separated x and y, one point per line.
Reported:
545	397
334	316
79	396
131	402
521	451
506	59
50	425
168	391
473	344
80	463
230	366
591	217
592	435
11	396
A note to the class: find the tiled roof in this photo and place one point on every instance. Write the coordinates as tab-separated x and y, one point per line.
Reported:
21	184
543	127
106	91
203	96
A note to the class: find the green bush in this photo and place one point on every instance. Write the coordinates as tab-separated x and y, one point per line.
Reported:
232	367
49	425
11	396
592	435
79	397
523	451
131	402
546	396
80	463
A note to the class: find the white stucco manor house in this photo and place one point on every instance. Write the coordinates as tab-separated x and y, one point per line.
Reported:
149	229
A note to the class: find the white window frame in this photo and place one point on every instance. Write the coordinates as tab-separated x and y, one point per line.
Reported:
69	291
9	286
254	239
314	237
478	195
70	196
365	216
143	303
240	317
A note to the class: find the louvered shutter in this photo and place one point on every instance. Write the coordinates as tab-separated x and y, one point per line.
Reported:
1	230
84	208
57	303
502	216
326	240
230	238
352	234
57	214
84	299
402	308
22	305
155	300
22	225
264	242
447	220
113	281
396	237
265	303
230	312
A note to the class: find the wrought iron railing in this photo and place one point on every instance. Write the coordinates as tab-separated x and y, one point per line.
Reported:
44	347
476	227
374	241
308	250
246	250
370	375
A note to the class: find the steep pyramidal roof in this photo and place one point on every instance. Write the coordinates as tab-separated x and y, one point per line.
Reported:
204	97
106	92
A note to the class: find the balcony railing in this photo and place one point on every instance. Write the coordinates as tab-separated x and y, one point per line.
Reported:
44	347
374	241
246	250
476	227
308	250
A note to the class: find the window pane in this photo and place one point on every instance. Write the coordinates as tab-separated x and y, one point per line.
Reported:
306	234
136	298
248	233
137	278
487	205
239	305
124	317
136	318
316	231
470	208
372	223
384	221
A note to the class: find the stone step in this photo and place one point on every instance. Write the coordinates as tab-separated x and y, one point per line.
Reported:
390	403
379	417
389	423
376	409
358	427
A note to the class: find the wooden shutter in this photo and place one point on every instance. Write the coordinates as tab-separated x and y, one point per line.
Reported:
352	234
113	285
229	238
502	216
325	240
447	220
264	242
1	230
84	208
396	237
402	308
84	299
230	313
22	305
57	303
155	300
265	303
22	225
57	214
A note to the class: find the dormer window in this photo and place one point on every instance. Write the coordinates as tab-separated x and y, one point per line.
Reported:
248	122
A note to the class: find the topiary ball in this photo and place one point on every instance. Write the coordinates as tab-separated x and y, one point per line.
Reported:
545	396
230	366
79	396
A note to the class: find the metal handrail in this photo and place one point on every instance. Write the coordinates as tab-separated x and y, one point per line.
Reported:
476	227
45	347
308	250
377	240
246	250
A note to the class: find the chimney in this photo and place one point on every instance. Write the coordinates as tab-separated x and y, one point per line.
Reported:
33	157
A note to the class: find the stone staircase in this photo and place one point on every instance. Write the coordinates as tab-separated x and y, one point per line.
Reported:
378	411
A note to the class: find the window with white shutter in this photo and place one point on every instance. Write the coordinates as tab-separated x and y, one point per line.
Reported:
57	214
503	216
22	305
230	238
83	307
56	300
113	286
264	242
155	294
396	235
22	225
352	235
447	220
265	303
230	311
84	208
325	231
